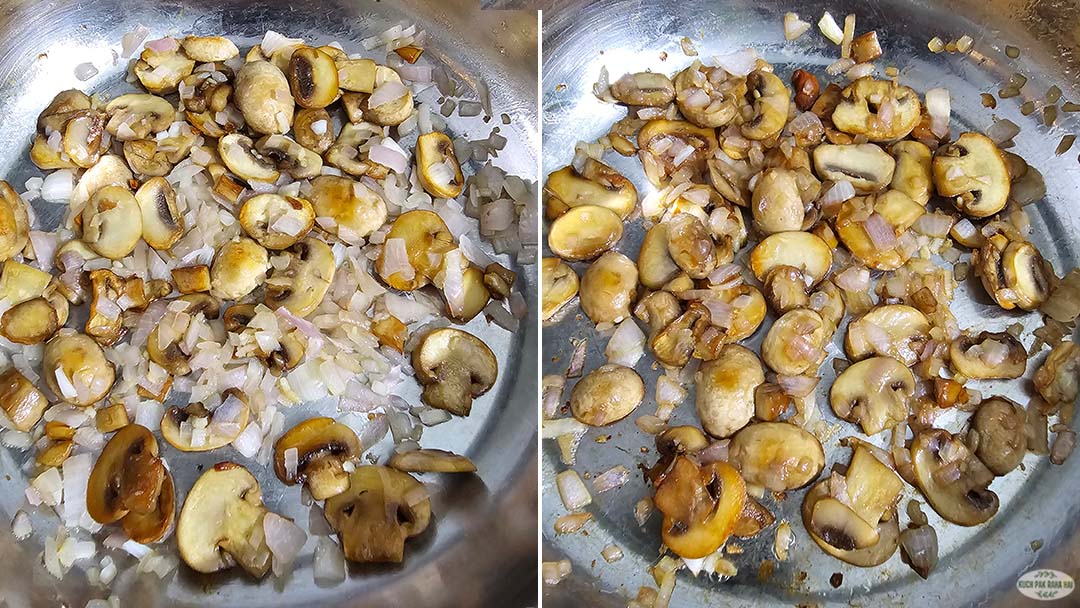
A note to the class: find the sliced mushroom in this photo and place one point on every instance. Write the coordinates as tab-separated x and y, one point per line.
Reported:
29	322
560	285
770	100
164	348
356	74
394	111
289	353
426	238
606	395
795	344
127	476
357	210
1013	272
608	288
229	496
874	393
78	362
785	289
60	108
747	313
465	294
437	164
382	509
802	250
145	158
988	355
708	96
998	434
913	175
777	455
454	368
321	447
866	166
596	184
691	246
346	154
888	532
584	232
839	525
196	429
644	89
894	330
112	222
725	390
239	267
21	402
1057	379
314	129
161	71
656	268
105	324
658	309
431	461
275	221
880	110
289	156
109	170
20	282
661	142
301	286
82	141
154	525
675	343
162	224
138	116
14	222
753	519
701	505
953	480
262	94
972	172
313	78
864	222
209	49
670	444
777	205
499	280
239	155
48	157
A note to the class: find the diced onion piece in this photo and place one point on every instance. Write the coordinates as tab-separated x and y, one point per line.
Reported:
572	490
626	345
739	63
830	28
389	91
611	479
612	553
568	524
880	232
555	572
939	109
794	27
329	562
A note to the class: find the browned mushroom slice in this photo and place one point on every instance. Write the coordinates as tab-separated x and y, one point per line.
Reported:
560	286
725	390
127	476
29	322
76	370
777	455
954	481
301	286
988	355
313	78
431	461
998	434
381	509
439	171
584	232
673	442
1057	379
196	429
701	505
888	532
162	224
880	110
894	330
425	238
320	447
595	184
454	368
873	392
154	525
21	402
972	172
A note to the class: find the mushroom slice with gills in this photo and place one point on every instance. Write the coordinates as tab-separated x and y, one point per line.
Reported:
209	49
454	367
431	461
356	210
394	101
670	444
314	129
674	344
239	155
795	344
1013	272
321	447
239	267
560	285
866	166
82	140
770	100
345	152
14	222
1057	380
912	175
425	238
86	373
203	122
127	476
658	309
725	390
691	246
953	480
888	531
874	393
871	227
154	525
880	110
229	496
109	170
701	505
237	317
988	356
648	89
584	232
872	486
608	288
301	286
262	94
218	427
894	330
606	395
777	455
656	267
160	72
61	107
998	434
313	78
668	146
145	158
785	289
112	222
30	322
839	525
439	170
21	402
162	223
356	74
47	157
777	205
381	509
353	104
138	116
803	250
707	96
753	519
289	354
289	156
275	221
972	173
105	323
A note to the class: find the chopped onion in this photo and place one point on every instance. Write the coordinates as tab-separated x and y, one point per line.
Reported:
572	490
329	562
642	510
568	524
1002	130
387	92
21	526
396	259
388	153
797	386
58	186
85	71
794	27
554	572
626	345
551	429
739	63
169	44
859	70
715	452
577	359
611	479
284	539
854	279
830	28
273	41
1064	443
76	471
919	547
880	232
415	73
132	40
839	66
721	313
938	107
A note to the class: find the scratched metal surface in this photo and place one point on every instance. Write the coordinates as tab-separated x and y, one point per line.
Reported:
979	566
481	548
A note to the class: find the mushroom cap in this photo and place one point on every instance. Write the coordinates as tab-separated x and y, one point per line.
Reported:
219	433
301	286
596	184
454	367
424	233
777	455
888	532
963	498
322	446
127	476
606	395
972	172
988	355
439	170
381	509
725	390
584	232
874	393
22	403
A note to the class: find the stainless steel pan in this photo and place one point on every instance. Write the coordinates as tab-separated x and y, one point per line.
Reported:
979	566
481	550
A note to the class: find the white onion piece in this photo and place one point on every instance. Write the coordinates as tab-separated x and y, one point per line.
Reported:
830	28
721	313
132	40
21	526
938	107
387	92
626	345
794	27
854	279
58	186
1002	130
611	479
553	385
388	153
329	562
797	386
85	71
739	63
920	547
880	232
715	452
415	73
572	490
76	475
273	41
554	572
552	429
396	259
284	539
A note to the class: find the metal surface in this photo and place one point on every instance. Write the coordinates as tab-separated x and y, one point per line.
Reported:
481	548
979	566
